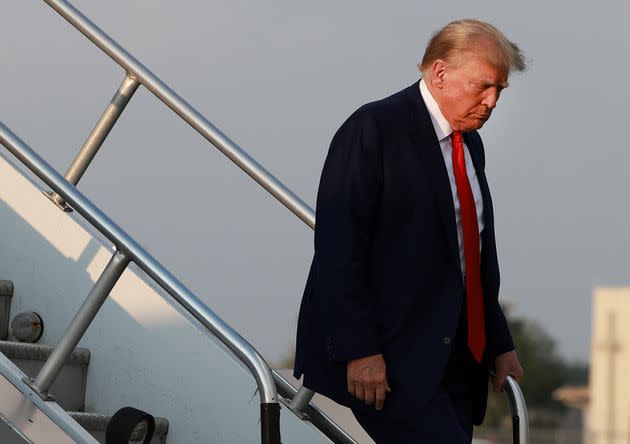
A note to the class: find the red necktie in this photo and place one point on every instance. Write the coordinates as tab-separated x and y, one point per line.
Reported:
470	228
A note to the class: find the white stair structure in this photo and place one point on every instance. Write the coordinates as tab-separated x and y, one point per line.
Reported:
145	350
144	339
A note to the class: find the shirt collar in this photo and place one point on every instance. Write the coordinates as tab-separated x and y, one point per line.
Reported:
442	128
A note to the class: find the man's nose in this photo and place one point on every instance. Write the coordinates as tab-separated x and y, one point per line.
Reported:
491	99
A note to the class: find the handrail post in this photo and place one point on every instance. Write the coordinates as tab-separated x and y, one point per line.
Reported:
82	320
98	135
300	400
518	408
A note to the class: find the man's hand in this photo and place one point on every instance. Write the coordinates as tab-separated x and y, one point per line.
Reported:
506	364
367	380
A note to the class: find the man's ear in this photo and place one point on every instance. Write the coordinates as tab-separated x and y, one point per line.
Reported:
438	72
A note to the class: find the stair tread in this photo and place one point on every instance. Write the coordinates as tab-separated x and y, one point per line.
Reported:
41	352
6	288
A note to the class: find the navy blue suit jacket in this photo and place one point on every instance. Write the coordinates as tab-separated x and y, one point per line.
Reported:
385	276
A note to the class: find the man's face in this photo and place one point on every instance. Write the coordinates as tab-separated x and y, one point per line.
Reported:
469	91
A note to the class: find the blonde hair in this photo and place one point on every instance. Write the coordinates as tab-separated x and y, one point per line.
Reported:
469	35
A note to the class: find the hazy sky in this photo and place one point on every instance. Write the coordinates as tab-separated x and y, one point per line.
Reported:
279	77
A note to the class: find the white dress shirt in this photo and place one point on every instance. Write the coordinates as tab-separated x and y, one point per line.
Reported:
443	130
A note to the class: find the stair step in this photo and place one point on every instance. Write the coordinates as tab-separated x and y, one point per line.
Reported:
6	293
69	387
96	424
26	418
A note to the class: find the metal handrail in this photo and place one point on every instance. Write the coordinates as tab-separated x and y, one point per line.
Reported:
518	408
182	108
239	346
242	159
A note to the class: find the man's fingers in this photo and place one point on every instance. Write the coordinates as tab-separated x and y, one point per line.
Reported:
499	380
518	375
369	395
366	378
380	397
507	364
351	388
359	392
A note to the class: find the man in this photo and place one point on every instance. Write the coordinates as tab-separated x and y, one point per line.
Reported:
400	319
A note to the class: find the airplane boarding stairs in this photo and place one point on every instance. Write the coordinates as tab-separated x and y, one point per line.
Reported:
142	349
144	339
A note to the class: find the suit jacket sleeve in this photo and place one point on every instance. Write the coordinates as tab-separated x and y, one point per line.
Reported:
499	336
347	210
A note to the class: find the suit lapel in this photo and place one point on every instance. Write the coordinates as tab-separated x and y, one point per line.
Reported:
475	153
423	136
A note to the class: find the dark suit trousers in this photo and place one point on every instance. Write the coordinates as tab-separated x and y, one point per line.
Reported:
446	418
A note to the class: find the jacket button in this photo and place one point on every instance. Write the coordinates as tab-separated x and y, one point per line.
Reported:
447	340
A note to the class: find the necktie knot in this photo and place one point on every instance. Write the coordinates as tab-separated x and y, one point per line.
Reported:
457	137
